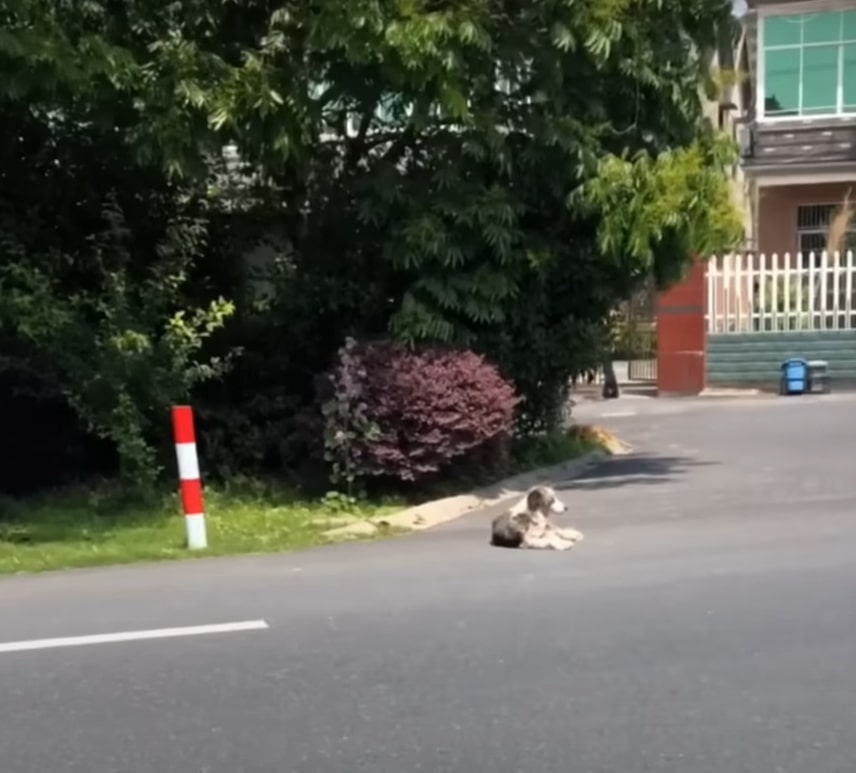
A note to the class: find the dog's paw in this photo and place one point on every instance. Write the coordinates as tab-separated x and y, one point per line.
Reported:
572	535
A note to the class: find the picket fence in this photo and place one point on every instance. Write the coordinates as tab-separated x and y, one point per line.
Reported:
756	293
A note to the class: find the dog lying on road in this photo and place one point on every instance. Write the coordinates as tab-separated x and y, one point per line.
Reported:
528	525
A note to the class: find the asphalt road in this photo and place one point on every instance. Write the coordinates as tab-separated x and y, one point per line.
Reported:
707	625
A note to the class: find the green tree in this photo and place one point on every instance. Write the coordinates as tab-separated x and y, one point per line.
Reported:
443	162
652	209
97	247
447	172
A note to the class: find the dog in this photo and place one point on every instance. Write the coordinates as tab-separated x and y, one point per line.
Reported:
527	524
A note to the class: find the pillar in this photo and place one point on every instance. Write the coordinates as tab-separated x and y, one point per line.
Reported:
681	335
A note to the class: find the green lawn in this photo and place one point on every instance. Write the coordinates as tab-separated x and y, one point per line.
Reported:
96	527
76	529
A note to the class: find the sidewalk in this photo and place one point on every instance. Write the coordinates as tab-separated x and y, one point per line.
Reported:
627	387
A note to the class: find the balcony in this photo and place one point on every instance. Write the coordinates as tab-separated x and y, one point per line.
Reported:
803	142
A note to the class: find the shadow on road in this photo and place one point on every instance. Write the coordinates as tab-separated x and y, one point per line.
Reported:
636	470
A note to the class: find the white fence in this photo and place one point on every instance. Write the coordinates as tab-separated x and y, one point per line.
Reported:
756	293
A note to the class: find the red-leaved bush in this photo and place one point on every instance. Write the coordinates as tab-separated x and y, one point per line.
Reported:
408	414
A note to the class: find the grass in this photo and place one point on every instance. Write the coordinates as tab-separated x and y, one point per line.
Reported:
554	448
83	528
91	528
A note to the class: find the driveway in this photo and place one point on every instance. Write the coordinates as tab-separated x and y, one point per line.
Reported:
707	625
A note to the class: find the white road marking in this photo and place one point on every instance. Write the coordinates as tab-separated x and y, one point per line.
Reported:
115	638
617	414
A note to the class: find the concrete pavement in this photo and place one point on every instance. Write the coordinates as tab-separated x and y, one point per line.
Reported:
706	625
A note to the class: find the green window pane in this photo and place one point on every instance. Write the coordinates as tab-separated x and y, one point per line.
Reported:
849	77
782	30
822	27
820	80
781	82
849	25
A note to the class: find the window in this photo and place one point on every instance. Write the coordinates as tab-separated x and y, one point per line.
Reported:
809	64
812	230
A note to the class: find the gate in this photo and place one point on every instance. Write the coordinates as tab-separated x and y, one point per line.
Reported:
637	335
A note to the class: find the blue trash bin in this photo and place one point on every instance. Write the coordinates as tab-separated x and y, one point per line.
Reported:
794	376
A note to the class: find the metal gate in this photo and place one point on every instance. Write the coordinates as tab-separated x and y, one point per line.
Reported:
638	343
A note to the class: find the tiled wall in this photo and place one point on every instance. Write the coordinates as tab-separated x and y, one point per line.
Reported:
756	358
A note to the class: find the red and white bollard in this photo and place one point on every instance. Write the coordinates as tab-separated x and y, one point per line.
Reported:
188	474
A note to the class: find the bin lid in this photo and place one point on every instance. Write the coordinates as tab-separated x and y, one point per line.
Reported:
794	361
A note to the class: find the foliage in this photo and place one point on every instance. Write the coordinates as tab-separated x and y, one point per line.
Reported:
425	408
454	174
559	446
563	330
680	202
125	351
348	430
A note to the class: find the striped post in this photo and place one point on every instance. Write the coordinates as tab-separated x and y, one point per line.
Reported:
188	474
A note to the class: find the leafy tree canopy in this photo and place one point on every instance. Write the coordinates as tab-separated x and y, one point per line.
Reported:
490	173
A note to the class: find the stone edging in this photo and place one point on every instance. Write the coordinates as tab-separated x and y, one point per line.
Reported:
440	511
731	392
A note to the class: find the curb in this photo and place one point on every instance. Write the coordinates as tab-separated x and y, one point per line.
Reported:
439	511
731	392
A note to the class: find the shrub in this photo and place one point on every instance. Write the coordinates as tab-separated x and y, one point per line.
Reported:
408	415
127	341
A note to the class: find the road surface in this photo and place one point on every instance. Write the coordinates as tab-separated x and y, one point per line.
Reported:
707	625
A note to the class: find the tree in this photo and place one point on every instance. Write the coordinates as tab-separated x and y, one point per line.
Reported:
96	245
460	202
439	170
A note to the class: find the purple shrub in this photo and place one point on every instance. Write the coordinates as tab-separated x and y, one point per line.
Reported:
408	415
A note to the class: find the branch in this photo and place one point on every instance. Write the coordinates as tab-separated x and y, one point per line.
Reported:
357	145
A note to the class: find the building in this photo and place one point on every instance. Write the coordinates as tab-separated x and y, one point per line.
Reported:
792	293
725	111
796	121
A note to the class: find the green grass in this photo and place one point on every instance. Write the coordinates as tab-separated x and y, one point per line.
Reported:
81	528
547	450
91	528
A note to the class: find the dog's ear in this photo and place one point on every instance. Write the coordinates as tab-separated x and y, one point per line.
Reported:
535	500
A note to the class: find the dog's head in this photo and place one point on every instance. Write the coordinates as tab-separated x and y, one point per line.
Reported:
542	499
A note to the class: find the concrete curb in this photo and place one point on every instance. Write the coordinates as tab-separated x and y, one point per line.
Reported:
731	392
440	511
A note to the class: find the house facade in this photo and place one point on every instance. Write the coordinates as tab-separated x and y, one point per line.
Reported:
796	116
792	291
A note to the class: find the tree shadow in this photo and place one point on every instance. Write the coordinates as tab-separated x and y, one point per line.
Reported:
633	470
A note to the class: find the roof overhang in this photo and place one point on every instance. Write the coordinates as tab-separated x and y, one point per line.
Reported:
802	174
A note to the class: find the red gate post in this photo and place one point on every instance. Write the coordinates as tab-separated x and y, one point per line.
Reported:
681	335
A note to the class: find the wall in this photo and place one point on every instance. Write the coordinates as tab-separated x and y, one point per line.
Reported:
777	212
689	358
723	112
756	358
681	335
